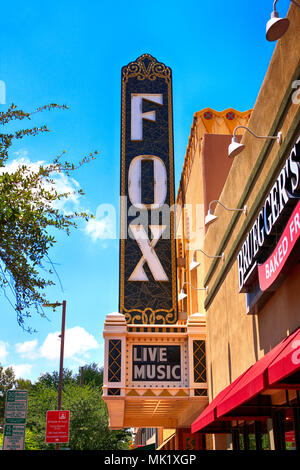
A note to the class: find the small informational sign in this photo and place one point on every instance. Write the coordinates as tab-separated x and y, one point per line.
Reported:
156	363
14	436
16	406
15	419
57	426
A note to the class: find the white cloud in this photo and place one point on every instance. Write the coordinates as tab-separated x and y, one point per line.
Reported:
27	349
22	159
62	182
104	225
98	229
22	371
3	350
77	343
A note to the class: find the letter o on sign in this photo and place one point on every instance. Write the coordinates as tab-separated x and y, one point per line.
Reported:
135	182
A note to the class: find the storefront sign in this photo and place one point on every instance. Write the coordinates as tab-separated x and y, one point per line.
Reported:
270	270
282	195
156	363
147	244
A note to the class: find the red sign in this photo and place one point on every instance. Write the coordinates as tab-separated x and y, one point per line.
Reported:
57	429
270	270
290	437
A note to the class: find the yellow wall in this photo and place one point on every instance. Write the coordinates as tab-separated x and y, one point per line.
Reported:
191	200
236	340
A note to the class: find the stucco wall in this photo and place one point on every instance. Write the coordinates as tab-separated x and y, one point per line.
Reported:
236	340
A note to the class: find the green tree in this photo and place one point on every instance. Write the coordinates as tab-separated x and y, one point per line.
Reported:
41	399
88	417
23	384
28	216
90	374
52	380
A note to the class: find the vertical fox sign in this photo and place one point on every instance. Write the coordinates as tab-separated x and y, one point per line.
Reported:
147	243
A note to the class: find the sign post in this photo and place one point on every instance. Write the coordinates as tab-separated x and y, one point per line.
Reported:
57	426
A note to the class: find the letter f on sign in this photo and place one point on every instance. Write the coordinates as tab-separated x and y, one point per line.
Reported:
149	255
137	114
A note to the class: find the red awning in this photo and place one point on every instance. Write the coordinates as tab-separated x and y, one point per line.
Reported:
254	381
208	416
274	367
288	361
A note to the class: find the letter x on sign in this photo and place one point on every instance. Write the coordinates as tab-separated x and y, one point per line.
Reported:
149	255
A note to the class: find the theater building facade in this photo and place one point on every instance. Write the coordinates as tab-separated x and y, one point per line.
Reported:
205	347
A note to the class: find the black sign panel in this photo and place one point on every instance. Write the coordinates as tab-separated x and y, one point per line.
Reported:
156	363
148	291
271	220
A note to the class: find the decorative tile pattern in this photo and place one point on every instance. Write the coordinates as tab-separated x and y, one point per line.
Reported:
114	360
208	115
199	357
113	391
200	392
230	116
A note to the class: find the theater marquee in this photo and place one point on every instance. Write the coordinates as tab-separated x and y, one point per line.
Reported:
156	363
147	246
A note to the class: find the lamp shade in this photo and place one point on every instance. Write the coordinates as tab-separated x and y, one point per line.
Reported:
209	218
182	295
194	264
276	27
235	148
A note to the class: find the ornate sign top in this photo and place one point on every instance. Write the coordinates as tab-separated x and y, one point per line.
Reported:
146	67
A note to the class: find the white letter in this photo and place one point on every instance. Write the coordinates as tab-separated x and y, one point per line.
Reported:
135	182
139	372
149	255
163	354
177	377
137	114
296	354
296	94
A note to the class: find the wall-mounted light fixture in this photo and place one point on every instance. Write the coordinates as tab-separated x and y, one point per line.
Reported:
276	27
235	147
210	217
195	263
182	295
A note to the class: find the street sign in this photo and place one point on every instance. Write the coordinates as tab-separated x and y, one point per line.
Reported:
57	427
16	406
14	436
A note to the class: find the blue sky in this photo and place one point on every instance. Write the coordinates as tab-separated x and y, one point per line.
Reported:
71	52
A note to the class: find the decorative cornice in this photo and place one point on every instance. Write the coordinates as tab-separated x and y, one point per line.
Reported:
213	122
146	67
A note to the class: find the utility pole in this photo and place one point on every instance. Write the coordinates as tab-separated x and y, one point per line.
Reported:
81	376
62	345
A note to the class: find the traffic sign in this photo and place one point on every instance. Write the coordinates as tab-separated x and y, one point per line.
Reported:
57	426
16	406
14	436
